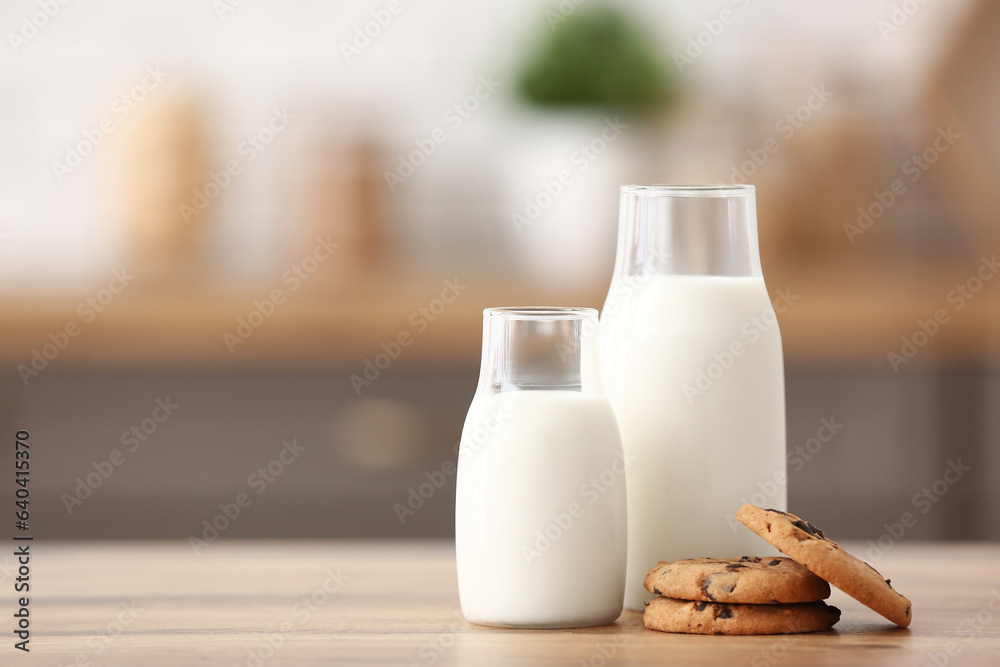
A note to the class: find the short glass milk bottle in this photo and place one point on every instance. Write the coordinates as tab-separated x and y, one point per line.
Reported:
540	518
692	363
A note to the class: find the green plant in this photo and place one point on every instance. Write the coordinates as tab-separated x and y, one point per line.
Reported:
596	57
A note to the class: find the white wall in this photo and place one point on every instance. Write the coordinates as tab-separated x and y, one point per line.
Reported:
266	53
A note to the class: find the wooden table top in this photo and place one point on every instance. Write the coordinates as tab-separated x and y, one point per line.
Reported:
396	603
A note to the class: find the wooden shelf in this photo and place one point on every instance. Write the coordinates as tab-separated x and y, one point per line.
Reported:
853	318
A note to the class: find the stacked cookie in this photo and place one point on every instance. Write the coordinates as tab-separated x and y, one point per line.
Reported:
756	595
737	596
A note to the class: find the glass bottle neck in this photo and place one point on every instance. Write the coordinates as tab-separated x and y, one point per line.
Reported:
693	230
539	349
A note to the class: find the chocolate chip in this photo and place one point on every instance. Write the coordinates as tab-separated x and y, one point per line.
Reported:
809	528
704	587
775	562
750	559
732	567
779	512
701	606
657	590
888	582
726	613
907	611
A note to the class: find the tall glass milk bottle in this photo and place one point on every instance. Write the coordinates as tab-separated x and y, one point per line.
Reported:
540	517
691	361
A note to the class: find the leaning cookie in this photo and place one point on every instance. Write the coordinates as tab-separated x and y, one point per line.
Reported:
808	545
714	618
750	580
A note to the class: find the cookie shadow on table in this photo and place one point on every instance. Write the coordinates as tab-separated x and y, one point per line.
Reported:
845	629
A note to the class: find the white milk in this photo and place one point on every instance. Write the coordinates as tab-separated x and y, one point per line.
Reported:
540	520
693	368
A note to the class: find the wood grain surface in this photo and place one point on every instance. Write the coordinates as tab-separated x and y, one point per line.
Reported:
396	603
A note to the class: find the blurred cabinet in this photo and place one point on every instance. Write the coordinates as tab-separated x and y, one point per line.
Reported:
862	443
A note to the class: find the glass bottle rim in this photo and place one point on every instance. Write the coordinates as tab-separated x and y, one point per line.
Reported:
715	190
540	312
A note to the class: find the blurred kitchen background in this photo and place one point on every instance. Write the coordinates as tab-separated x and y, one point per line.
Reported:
285	218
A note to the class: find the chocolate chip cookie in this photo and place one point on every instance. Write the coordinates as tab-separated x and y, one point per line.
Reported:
715	618
808	545
750	579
